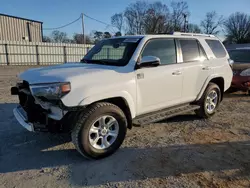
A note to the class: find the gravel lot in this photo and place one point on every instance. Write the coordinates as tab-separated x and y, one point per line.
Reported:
180	152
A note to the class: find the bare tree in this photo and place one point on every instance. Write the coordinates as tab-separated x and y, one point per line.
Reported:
58	36
211	23
135	17
106	35
117	34
47	39
237	28
194	28
179	9
117	21
79	39
157	18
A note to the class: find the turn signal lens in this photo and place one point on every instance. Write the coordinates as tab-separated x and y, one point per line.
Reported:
65	88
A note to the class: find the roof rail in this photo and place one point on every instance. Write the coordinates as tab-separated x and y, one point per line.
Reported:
193	34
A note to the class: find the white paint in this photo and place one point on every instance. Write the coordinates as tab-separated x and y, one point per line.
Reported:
144	90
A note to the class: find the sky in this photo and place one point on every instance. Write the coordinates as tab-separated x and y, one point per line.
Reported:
55	13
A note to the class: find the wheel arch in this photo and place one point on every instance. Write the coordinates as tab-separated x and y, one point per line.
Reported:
123	101
218	80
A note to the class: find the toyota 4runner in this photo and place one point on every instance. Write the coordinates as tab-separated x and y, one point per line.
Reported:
122	82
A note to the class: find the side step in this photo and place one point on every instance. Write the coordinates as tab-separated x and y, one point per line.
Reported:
163	114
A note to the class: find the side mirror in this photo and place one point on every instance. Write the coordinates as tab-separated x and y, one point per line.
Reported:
149	61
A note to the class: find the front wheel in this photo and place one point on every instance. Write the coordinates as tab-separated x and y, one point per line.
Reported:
99	130
209	101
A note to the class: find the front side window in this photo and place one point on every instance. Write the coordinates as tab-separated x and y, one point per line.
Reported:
116	51
217	48
161	48
190	50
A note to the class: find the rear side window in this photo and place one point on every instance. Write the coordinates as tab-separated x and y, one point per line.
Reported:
190	50
161	48
241	56
217	48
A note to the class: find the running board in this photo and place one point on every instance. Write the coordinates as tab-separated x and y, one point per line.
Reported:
163	114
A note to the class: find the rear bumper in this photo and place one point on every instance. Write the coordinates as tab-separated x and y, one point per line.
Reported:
241	82
21	118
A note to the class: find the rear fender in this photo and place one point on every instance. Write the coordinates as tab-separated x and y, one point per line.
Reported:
206	84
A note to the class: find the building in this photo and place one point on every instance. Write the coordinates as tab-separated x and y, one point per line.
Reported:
14	28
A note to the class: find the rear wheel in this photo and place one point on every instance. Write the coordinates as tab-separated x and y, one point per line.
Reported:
100	130
210	101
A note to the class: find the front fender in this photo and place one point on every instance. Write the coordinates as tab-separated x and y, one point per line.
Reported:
102	96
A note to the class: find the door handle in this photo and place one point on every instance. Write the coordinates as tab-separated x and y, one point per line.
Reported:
206	68
176	73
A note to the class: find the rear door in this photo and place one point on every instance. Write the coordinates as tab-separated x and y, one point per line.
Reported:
195	68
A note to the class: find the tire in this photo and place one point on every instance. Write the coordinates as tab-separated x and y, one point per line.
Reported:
88	137
204	111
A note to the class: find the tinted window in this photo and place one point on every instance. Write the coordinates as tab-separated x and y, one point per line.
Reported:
242	56
216	47
161	48
190	50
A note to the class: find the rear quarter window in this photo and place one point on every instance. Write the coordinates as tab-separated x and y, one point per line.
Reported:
216	48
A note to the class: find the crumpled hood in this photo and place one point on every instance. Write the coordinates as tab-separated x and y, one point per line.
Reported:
62	73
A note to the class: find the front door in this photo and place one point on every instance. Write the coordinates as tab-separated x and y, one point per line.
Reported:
159	87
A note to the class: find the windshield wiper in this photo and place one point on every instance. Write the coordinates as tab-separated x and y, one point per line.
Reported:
95	61
83	61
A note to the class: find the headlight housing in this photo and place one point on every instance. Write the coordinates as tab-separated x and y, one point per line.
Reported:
245	72
50	91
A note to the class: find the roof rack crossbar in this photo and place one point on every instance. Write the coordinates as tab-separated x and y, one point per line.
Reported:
193	34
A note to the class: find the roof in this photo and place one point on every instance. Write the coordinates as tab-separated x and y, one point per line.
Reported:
175	34
20	18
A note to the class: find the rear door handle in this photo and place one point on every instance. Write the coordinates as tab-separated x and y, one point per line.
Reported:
206	68
176	73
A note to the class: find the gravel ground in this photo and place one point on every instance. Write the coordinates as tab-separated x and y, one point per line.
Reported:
180	152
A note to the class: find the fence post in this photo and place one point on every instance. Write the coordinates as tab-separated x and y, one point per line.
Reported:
108	53
37	56
7	54
64	54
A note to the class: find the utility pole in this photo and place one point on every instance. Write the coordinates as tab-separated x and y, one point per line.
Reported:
83	34
185	23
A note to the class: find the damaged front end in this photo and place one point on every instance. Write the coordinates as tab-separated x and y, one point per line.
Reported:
40	107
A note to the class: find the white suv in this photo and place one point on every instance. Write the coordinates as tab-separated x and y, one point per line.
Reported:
124	81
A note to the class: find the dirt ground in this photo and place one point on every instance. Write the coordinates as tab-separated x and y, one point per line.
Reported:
180	152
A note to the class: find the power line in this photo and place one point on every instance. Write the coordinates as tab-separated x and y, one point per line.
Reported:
80	17
63	25
108	25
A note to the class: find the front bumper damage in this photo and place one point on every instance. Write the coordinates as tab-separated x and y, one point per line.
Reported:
21	117
35	114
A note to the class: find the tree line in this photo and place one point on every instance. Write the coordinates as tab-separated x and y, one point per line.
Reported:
143	17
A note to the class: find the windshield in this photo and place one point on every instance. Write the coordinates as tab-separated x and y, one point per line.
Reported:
241	56
116	51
